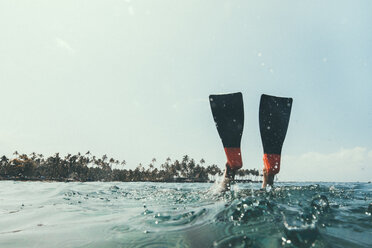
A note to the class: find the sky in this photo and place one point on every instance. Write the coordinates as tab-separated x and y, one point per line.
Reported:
131	79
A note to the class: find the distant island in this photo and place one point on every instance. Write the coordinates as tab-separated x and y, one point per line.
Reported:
85	168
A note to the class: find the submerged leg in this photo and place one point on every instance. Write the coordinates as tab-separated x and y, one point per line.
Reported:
228	178
268	179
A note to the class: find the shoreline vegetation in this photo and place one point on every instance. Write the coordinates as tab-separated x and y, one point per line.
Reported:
89	168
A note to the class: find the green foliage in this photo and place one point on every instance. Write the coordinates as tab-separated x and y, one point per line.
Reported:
90	168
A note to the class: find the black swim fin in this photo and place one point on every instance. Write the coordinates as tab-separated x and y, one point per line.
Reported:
274	116
228	115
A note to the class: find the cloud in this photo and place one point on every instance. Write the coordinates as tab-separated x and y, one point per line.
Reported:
64	45
370	154
345	165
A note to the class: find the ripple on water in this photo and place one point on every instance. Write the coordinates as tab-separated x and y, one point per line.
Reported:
154	240
185	215
171	220
240	241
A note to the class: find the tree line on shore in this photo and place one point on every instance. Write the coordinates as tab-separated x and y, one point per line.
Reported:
87	167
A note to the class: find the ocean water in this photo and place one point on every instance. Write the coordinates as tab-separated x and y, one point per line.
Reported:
100	214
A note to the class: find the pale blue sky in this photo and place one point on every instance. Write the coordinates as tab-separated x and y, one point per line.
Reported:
131	79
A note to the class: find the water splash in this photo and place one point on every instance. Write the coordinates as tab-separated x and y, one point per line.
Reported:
184	215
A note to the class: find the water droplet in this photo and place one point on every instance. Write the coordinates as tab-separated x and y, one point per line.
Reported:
259	54
268	127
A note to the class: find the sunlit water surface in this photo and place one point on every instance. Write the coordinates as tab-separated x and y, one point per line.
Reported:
99	214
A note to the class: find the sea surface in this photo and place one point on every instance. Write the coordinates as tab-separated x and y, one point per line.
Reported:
115	214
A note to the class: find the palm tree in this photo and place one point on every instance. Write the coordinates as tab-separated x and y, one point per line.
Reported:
151	168
41	157
214	170
104	157
111	162
202	161
140	167
33	155
190	167
185	159
4	159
